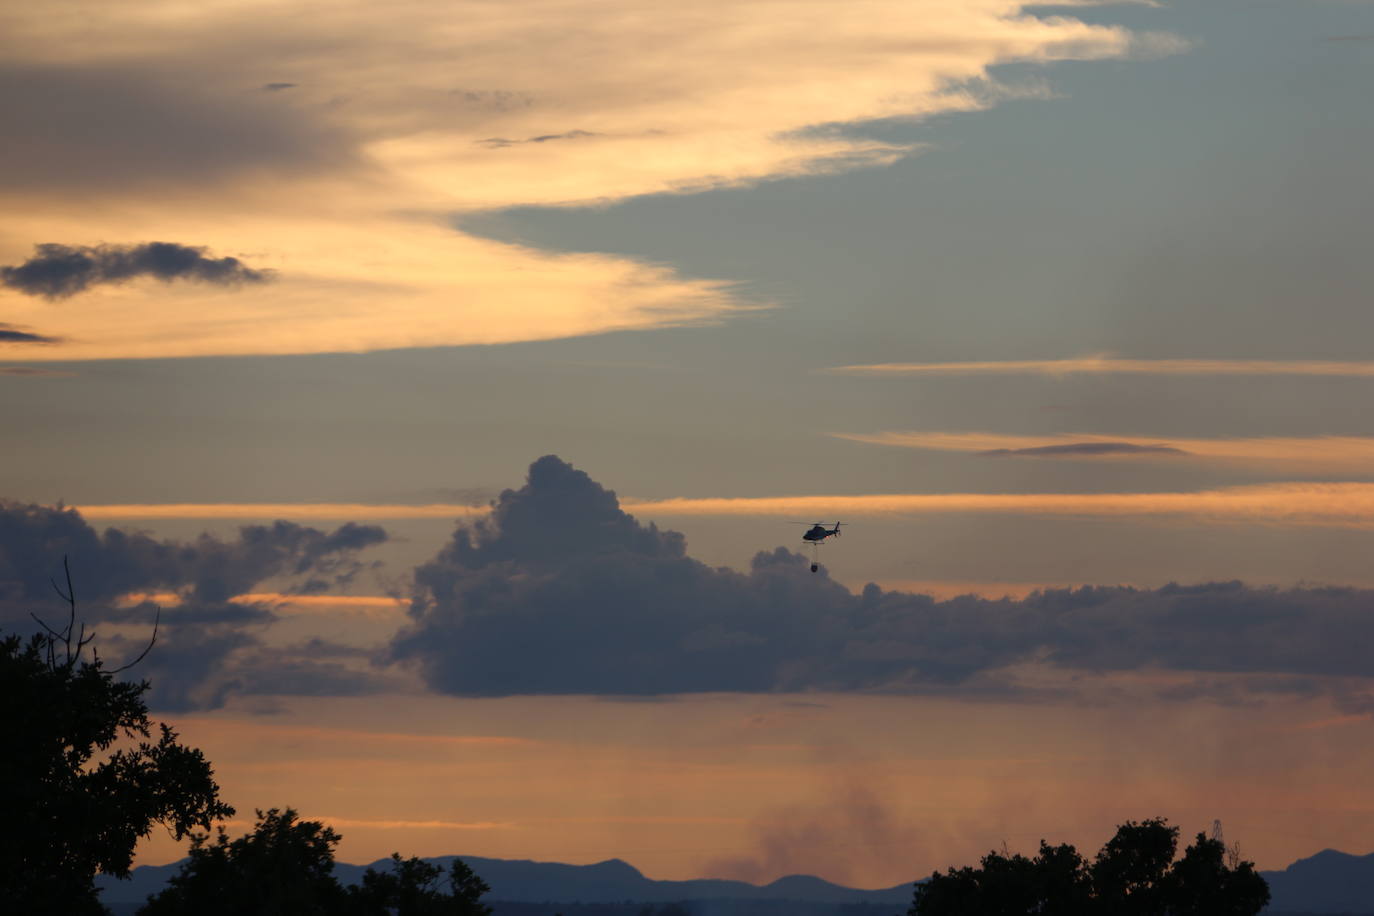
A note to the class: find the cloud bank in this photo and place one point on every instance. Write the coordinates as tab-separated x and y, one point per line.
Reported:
209	644
58	271
559	591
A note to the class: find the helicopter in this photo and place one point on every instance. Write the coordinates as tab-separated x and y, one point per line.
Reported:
816	535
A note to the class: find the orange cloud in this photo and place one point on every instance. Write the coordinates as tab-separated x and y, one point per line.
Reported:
311	511
943	589
1101	365
389	120
1342	505
382	824
1330	452
1304	504
380	607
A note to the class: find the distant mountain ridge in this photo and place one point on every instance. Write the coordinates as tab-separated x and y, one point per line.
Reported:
1328	882
1325	884
521	880
525	881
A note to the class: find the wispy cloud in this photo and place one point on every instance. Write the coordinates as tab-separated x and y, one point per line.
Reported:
381	606
1345	505
1346	453
388	824
1340	504
33	372
11	334
1105	365
318	511
945	589
1086	450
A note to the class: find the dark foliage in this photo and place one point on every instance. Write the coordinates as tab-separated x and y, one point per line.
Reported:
414	887
1202	883
286	867
73	807
1133	875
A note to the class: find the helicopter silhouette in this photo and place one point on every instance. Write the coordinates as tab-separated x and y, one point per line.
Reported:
816	535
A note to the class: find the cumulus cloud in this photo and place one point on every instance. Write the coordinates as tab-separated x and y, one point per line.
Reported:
58	271
559	591
209	639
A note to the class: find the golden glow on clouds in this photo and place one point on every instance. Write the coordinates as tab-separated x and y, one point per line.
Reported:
1099	365
376	606
1303	504
311	511
1332	452
343	823
391	118
1342	504
943	589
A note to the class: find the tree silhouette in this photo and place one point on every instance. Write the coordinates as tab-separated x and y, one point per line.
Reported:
286	866
414	887
1130	873
72	809
1134	874
1205	883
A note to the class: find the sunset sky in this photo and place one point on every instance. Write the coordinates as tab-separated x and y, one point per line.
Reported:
453	375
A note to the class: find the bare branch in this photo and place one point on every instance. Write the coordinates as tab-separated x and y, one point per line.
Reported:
51	632
146	649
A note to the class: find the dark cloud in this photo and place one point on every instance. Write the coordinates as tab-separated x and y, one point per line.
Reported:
10	334
560	592
33	372
115	132
208	643
1084	449
58	271
316	668
277	87
501	142
494	99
